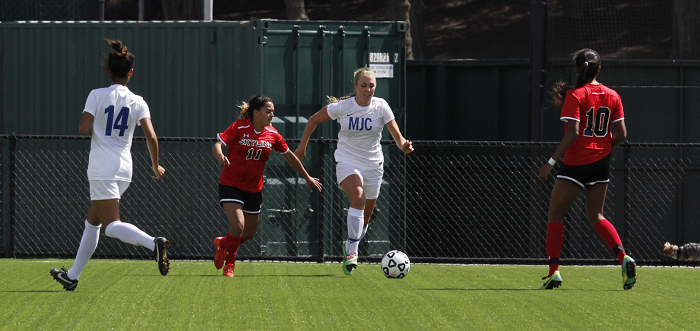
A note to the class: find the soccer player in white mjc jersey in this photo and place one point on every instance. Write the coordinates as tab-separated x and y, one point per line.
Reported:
112	114
359	158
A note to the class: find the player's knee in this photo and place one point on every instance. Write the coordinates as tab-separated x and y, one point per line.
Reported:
594	218
358	202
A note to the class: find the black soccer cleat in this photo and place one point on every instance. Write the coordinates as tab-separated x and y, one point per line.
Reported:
61	276
161	254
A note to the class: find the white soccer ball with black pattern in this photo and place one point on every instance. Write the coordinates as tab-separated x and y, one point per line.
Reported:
395	264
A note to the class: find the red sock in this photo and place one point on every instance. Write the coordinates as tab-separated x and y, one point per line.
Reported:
555	241
222	242
231	246
607	231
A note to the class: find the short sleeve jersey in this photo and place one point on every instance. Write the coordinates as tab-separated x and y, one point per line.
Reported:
360	130
248	150
596	108
117	113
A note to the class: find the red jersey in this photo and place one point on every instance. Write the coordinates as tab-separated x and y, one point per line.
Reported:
248	150
596	107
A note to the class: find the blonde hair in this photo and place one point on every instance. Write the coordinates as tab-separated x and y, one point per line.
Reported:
356	76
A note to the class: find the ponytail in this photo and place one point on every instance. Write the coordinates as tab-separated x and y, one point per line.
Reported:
255	103
587	63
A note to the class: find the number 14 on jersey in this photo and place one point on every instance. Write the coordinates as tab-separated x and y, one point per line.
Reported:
120	123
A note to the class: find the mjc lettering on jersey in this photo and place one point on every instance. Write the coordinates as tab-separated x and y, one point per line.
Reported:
255	143
360	123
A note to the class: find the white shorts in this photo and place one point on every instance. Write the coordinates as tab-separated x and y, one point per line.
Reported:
371	178
107	189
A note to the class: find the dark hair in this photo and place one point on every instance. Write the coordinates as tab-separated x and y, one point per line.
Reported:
255	103
120	61
587	63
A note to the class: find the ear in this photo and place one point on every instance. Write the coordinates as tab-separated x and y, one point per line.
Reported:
131	72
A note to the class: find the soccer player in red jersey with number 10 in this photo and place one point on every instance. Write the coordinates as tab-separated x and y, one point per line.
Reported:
588	109
250	141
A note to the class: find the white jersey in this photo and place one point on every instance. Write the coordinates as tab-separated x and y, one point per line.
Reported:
360	130
117	112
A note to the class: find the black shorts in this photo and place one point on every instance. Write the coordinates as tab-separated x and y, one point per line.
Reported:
251	202
590	174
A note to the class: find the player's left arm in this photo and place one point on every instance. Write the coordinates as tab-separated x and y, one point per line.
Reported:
619	123
620	132
152	141
405	145
293	160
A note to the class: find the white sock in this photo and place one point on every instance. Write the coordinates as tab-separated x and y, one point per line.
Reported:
356	219
364	231
88	243
129	234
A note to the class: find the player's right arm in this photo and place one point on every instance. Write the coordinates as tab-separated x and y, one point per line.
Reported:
85	123
224	138
218	152
88	118
569	137
320	117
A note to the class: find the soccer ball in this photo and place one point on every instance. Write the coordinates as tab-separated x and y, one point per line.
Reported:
395	264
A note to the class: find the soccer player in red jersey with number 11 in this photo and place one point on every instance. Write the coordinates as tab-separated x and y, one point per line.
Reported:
588	110
250	141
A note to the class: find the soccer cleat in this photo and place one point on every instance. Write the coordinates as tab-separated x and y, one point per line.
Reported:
220	256
228	270
161	254
629	272
551	282
61	276
349	263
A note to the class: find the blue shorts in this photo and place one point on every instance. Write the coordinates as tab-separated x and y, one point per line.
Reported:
590	174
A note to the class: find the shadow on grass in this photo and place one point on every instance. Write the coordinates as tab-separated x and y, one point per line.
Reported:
509	289
33	291
308	276
241	276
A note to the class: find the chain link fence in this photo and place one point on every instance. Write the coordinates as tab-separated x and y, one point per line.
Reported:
448	202
41	10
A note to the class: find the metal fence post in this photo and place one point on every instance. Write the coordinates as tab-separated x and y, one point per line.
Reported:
626	196
321	200
11	230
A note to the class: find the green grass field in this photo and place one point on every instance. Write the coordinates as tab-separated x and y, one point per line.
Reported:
132	295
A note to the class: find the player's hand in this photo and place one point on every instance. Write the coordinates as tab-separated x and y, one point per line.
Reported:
407	147
223	161
158	172
544	171
314	183
300	152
